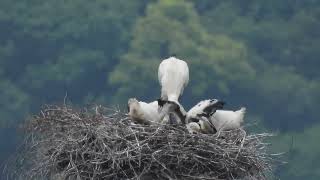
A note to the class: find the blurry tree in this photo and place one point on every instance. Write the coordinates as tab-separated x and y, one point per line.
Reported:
256	53
302	154
282	32
282	39
217	63
14	104
50	48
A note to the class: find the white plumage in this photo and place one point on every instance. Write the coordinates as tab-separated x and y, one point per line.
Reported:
173	77
149	113
203	126
227	120
204	108
206	126
197	116
175	112
143	113
205	117
193	127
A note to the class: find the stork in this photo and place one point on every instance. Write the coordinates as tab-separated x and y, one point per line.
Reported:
201	125
205	108
176	112
149	113
193	127
227	120
173	75
199	115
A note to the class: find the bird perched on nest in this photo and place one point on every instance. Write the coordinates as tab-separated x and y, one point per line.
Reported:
227	120
148	113
173	75
198	116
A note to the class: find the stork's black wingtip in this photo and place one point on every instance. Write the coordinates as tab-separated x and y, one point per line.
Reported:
161	102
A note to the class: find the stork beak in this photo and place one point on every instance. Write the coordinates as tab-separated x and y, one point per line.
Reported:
220	104
210	110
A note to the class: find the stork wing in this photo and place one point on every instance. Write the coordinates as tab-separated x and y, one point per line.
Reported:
185	76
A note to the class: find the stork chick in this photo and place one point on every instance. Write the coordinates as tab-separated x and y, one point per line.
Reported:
149	113
204	108
227	120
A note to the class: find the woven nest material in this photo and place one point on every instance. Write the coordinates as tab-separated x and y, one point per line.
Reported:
64	143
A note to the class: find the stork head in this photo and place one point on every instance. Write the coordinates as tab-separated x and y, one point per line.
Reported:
133	106
213	107
132	101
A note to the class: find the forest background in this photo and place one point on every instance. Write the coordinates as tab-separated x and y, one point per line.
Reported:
255	53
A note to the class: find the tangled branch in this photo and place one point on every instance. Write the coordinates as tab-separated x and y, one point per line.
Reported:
102	143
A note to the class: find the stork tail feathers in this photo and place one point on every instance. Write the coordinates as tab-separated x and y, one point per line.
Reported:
242	112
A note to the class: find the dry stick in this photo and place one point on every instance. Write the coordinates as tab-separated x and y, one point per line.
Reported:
103	143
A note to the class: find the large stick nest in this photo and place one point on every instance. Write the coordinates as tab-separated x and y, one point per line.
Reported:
64	143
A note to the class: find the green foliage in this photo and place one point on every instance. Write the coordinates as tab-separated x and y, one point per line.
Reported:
301	154
13	105
50	48
284	38
164	31
281	32
259	54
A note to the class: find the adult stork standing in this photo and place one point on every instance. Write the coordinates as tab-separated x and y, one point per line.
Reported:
173	74
173	77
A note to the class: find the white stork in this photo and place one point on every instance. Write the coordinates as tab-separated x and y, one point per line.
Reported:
193	127
227	120
149	113
175	112
204	108
201	125
198	116
173	77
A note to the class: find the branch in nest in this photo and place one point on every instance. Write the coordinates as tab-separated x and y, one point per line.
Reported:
104	143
